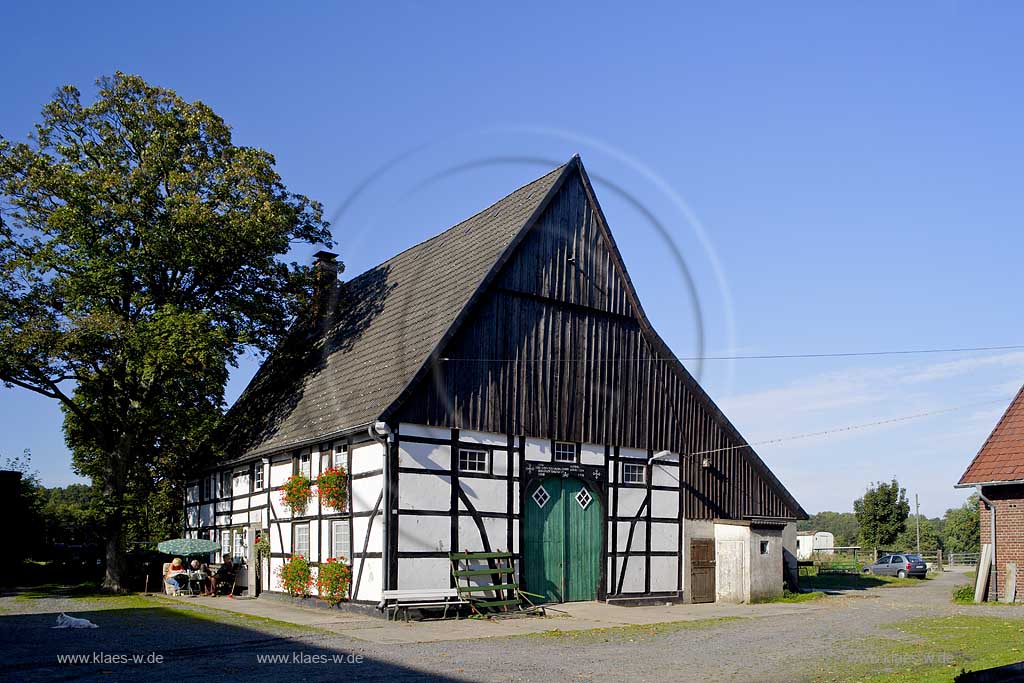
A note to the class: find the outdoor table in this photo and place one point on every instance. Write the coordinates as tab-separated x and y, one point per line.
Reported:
196	578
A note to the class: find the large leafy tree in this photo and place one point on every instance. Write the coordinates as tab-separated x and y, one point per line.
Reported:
139	257
963	527
931	539
882	514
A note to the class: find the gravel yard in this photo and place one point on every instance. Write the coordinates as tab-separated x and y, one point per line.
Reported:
818	642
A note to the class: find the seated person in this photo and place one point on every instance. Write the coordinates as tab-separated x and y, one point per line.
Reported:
176	575
205	579
226	572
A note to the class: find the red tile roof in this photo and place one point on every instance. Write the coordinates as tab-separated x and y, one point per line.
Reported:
1001	458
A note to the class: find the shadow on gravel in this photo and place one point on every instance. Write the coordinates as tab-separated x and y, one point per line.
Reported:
851	582
159	643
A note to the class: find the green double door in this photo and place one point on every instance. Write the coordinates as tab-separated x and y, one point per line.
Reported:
563	538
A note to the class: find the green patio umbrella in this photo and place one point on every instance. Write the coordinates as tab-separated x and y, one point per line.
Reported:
186	547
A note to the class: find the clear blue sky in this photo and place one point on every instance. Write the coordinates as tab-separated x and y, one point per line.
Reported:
852	177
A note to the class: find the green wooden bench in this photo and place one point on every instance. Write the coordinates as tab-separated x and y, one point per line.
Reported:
486	580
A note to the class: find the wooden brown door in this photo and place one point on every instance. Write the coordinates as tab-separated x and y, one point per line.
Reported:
702	570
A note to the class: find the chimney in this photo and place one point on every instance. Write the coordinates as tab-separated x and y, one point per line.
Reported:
325	288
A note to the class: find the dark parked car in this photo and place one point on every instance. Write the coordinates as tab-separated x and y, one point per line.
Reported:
899	565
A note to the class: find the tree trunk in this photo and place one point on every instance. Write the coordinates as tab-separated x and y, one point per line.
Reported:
114	575
114	489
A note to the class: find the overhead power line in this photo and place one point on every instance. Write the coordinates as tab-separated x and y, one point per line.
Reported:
850	428
773	356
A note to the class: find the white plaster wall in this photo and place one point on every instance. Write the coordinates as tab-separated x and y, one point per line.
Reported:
765	570
370	585
639	537
420	533
633	453
469	535
486	495
280	470
365	493
633	581
424	492
664	474
376	538
483	438
538	450
367	457
281	538
664	537
424	456
414	573
630	501
423	431
499	463
591	454
664	573
664	503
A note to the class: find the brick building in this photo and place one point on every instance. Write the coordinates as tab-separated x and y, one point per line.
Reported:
997	471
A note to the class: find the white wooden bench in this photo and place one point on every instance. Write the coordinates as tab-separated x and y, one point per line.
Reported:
419	598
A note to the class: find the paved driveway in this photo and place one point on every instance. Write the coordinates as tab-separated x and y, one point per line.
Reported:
780	643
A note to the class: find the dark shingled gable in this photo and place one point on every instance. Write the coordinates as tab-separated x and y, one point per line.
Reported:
388	321
1001	458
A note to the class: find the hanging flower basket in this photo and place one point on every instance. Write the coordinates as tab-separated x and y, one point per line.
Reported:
332	580
332	485
296	577
296	494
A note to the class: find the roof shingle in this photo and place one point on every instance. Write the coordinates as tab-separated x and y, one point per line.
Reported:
388	321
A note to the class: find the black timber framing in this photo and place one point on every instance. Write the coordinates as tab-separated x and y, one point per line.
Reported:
507	365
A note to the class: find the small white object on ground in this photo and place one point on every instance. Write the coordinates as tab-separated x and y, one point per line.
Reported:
64	621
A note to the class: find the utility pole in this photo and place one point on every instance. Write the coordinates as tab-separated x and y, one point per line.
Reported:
917	522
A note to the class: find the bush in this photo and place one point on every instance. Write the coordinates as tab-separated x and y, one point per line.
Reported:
963	593
332	485
332	580
296	493
296	577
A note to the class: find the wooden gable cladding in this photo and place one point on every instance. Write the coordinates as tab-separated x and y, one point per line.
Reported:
558	347
565	258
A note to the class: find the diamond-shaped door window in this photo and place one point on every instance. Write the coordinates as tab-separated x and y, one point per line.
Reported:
541	496
584	498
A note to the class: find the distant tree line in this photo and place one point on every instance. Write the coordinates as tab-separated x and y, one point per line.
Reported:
882	519
64	516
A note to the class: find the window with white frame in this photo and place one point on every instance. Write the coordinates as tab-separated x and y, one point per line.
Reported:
304	464
340	454
341	540
225	484
634	473
257	477
472	460
238	550
300	540
240	483
565	451
225	544
207	487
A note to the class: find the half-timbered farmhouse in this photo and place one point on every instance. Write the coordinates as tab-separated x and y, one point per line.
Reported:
499	386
